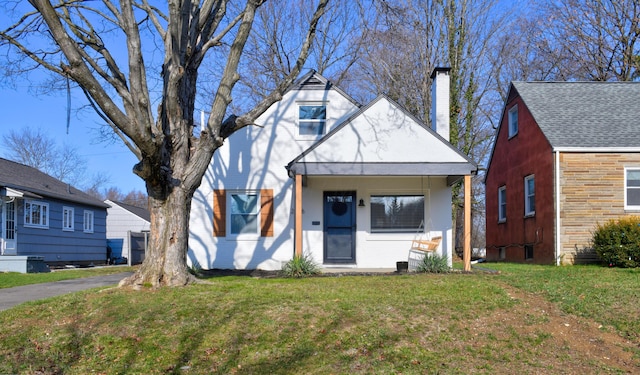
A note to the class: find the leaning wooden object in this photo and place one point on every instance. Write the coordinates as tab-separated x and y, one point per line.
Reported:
426	245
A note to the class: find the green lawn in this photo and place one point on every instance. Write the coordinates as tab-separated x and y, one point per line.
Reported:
414	324
12	279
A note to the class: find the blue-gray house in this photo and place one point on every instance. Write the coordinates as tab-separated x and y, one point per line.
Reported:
41	216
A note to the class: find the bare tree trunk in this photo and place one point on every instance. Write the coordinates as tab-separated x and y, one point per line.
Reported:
164	263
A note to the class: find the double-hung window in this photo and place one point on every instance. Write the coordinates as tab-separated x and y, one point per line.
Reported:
502	204
513	121
632	188
67	218
88	221
529	196
396	213
36	214
243	214
312	119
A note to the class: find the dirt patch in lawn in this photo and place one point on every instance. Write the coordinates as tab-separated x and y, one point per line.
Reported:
576	343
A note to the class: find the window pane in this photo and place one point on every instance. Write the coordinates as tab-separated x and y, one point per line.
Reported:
313	112
633	197
633	178
244	203
396	213
244	223
311	127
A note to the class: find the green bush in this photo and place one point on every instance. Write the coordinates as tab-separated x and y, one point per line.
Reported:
300	266
617	242
433	263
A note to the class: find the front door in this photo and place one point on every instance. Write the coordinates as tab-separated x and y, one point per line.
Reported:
339	227
9	241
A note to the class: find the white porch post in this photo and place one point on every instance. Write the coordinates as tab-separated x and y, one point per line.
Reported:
466	250
298	216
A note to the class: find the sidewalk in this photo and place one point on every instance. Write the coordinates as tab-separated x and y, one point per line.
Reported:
10	297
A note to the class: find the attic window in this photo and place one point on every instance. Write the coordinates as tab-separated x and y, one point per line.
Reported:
513	121
312	120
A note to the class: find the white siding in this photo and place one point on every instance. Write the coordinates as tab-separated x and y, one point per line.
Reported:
120	221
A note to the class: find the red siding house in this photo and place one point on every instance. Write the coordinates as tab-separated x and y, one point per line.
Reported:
566	157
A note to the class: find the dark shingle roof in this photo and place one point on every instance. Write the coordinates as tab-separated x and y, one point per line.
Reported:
28	179
585	114
140	212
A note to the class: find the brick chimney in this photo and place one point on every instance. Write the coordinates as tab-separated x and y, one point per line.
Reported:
440	101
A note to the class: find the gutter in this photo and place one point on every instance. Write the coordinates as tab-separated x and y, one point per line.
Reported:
557	202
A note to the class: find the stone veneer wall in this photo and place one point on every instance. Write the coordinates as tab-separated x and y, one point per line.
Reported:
592	192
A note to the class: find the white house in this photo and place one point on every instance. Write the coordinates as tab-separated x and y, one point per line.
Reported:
320	175
123	220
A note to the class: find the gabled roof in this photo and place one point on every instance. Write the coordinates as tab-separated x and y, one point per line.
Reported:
382	139
314	81
30	182
584	114
140	212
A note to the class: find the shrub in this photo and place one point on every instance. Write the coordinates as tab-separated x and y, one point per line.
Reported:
300	266
433	263
617	242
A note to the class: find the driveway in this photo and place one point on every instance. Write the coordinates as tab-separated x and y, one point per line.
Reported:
10	297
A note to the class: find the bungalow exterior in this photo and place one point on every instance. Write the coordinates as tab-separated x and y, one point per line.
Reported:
321	176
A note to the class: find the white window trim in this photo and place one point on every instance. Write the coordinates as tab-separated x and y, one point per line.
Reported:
88	225
627	206
27	214
527	210
243	236
312	137
513	133
69	213
501	218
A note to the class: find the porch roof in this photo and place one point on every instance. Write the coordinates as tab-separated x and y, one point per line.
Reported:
382	139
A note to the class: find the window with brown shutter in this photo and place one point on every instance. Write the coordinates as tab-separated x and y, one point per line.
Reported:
220	213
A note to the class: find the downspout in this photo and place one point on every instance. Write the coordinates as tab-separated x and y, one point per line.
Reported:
557	223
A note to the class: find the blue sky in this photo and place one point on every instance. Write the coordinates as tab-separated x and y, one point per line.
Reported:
20	109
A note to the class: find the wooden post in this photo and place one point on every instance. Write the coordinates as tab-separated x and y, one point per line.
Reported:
298	216
466	251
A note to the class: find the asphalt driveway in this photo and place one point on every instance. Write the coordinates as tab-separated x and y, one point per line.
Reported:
10	297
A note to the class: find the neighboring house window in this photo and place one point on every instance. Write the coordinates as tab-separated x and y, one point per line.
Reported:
632	188
502	253
528	251
88	221
396	213
67	218
239	213
529	196
312	120
502	204
513	121
36	214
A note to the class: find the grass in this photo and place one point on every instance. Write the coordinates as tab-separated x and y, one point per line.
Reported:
13	279
610	296
410	324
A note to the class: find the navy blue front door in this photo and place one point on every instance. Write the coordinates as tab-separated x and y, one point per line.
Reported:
339	227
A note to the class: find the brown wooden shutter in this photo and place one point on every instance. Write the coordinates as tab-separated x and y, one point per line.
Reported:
219	213
266	212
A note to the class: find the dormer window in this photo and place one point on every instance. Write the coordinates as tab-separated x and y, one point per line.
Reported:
312	119
513	121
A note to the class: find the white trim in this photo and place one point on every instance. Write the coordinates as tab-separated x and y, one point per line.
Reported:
71	218
597	149
44	214
242	236
502	219
511	110
88	221
528	212
626	205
